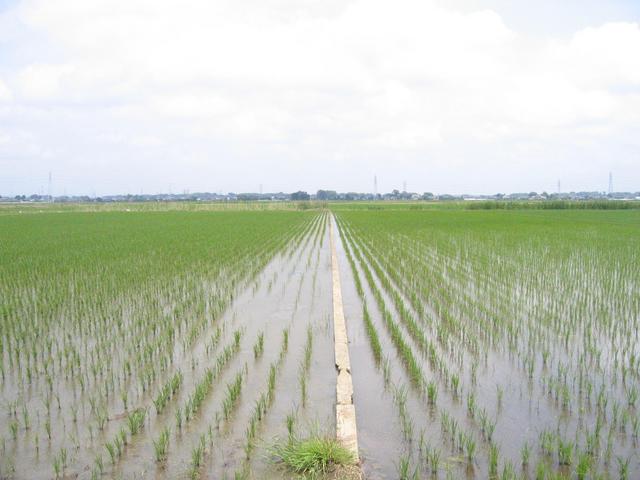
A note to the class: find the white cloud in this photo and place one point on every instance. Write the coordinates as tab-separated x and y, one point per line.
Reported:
306	79
5	93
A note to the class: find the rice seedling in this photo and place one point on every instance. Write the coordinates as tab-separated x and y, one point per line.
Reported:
258	347
583	466
290	421
113	453
135	420
167	392
525	454
432	393
565	452
197	456
494	455
232	394
178	415
404	470
161	446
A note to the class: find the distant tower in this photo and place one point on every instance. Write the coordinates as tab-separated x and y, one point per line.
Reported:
404	186
49	189
610	183
559	189
375	185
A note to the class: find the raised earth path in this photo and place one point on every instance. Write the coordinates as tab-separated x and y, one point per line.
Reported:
346	431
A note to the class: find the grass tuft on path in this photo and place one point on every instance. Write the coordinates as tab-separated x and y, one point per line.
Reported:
311	457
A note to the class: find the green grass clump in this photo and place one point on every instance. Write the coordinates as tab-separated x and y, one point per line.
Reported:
312	456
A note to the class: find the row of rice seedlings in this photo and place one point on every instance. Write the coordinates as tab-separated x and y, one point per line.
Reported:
417	331
167	392
404	349
234	388
116	447
214	341
372	333
305	366
265	400
201	390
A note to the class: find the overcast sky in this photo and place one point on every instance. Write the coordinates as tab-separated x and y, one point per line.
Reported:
457	96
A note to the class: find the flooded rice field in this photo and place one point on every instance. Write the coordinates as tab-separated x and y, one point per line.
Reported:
187	344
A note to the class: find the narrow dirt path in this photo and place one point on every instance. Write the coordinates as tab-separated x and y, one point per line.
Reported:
346	431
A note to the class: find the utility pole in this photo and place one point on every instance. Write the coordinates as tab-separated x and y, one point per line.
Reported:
49	190
375	186
559	189
404	186
610	183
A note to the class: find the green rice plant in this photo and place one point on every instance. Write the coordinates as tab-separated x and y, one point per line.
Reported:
258	347
372	334
433	456
499	395
290	422
161	445
308	349
168	390
542	471
494	455
583	467
565	452
25	417
197	456
135	420
285	339
99	465
508	472
623	468
455	384
121	439
404	470
178	415
386	371
432	392
470	449
546	442
525	454
471	405
113	453
57	467
233	394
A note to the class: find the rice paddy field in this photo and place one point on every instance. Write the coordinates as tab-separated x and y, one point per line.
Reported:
186	343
